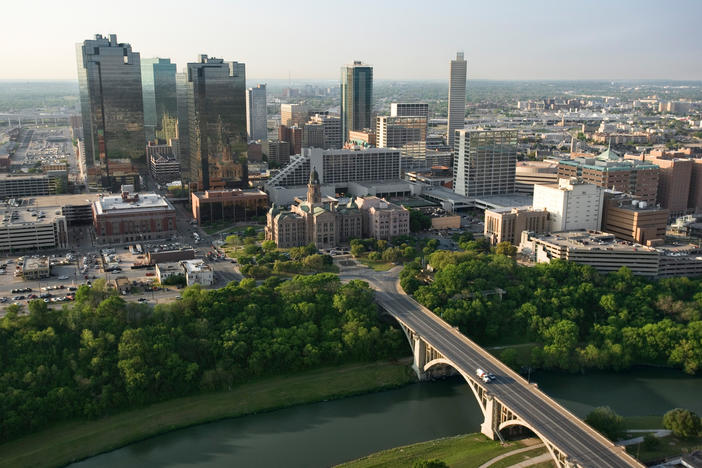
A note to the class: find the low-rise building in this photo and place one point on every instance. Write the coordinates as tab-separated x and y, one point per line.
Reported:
234	205
601	250
32	229
36	268
133	217
164	256
197	272
382	219
445	222
634	220
507	225
17	186
167	269
327	224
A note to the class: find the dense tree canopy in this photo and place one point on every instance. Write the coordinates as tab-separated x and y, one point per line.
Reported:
579	318
683	423
102	353
609	423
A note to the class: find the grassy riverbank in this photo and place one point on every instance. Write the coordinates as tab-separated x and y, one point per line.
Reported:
464	451
78	439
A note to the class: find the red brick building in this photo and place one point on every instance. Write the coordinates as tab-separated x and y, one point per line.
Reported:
133	217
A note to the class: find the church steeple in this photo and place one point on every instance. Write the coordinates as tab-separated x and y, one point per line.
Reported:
314	191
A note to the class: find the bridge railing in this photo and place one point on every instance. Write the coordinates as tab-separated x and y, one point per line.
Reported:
532	388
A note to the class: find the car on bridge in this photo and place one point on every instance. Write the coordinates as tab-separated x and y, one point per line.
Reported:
486	377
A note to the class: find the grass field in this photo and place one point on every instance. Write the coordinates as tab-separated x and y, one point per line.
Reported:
376	265
667	447
78	439
465	451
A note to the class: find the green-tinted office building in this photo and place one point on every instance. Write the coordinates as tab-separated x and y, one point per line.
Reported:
215	92
109	79
158	82
356	97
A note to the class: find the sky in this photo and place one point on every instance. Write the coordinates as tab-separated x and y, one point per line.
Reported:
403	40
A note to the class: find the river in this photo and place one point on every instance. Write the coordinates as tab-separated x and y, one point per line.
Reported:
326	433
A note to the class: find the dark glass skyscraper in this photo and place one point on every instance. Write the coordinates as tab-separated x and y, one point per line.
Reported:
158	82
215	91
356	97
109	78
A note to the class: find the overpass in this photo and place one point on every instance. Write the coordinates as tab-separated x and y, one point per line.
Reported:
508	401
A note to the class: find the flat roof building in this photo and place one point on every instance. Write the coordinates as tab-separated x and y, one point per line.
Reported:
507	225
32	229
234	205
197	272
133	217
530	173
36	268
484	161
572	204
601	250
634	220
610	170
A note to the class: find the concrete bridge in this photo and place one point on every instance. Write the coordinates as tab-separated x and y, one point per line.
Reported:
508	403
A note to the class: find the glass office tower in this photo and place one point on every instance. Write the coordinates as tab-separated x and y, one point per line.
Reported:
356	97
158	82
109	78
216	93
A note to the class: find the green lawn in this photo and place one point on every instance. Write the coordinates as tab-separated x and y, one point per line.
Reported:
78	439
644	422
520	457
670	446
465	451
376	265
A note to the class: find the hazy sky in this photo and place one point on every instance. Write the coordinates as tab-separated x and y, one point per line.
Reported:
402	39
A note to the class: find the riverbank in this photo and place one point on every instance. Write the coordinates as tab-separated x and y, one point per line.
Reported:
78	439
464	451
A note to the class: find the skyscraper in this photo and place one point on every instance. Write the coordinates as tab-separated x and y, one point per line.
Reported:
456	97
216	94
109	80
484	162
356	97
158	82
256	113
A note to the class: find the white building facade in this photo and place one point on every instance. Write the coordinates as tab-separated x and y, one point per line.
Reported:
572	205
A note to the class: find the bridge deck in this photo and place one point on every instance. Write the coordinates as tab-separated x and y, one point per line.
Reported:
583	446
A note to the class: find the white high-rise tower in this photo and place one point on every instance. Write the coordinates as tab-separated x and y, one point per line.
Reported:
456	97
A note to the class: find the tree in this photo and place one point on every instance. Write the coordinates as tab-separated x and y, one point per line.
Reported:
268	246
505	248
419	221
433	463
175	280
233	240
357	250
606	421
683	422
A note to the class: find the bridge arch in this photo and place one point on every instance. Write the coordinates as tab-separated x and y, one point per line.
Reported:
559	457
477	390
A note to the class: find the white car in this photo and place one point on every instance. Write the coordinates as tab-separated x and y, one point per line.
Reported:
63	277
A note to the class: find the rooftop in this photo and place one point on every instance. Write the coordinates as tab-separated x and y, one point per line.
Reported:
592	240
18	217
195	266
132	203
32	263
60	200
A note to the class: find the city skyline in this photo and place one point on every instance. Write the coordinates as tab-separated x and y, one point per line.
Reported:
510	41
